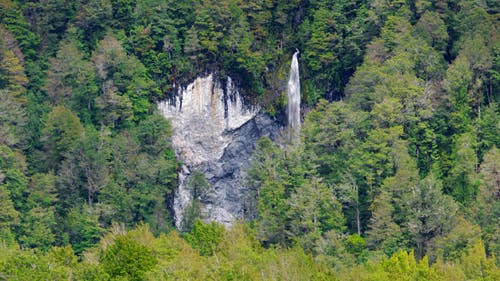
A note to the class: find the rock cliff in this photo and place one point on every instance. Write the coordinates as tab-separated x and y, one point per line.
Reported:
215	133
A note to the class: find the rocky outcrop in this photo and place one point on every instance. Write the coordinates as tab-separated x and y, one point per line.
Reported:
215	133
231	199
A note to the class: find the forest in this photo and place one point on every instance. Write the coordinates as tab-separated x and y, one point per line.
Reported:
395	176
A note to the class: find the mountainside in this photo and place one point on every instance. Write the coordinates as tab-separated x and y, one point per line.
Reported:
331	140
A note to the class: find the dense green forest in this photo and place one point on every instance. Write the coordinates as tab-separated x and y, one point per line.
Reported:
396	175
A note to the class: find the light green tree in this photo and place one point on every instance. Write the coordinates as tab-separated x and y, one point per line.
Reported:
431	213
486	209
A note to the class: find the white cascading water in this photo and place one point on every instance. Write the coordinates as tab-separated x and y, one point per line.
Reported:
293	92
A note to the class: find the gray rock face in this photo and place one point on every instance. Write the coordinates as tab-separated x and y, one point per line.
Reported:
215	133
231	199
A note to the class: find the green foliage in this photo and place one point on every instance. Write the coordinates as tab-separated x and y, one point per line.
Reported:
191	214
313	210
475	264
9	216
330	133
126	85
153	134
42	189
38	228
205	237
12	91
384	233
415	132
61	131
486	211
13	120
87	161
81	228
451	246
433	29
199	188
127	259
356	245
137	255
264	177
293	203
13	19
71	81
13	176
432	213
462	182
459	76
335	40
198	184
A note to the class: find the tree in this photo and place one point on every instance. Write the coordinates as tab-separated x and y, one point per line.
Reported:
92	19
313	211
264	178
198	184
356	245
192	46
433	29
486	210
125	76
156	182
154	134
9	217
13	177
49	20
93	15
475	263
431	213
457	82
451	246
335	39
205	237
140	175
42	190
275	174
61	131
330	133
92	155
115	110
81	228
12	121
11	15
272	208
127	259
462	181
370	163
384	234
390	209
13	97
349	194
38	228
85	171
199	188
71	81
487	127
12	75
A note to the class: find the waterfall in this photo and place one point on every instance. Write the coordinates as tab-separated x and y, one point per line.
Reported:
293	92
